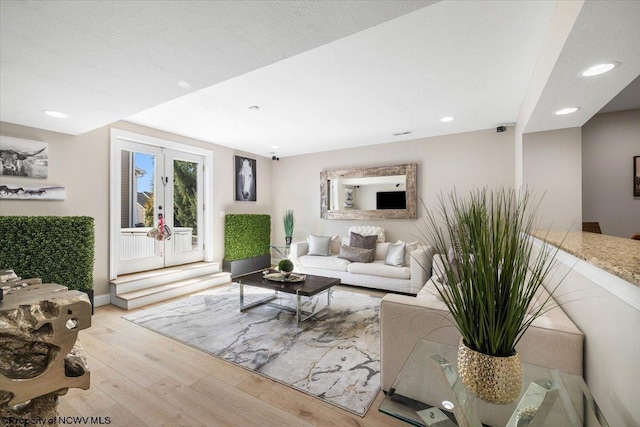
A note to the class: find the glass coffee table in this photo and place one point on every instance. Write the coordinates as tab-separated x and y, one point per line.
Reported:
309	287
428	392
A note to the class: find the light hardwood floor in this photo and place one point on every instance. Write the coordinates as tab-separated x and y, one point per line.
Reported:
142	378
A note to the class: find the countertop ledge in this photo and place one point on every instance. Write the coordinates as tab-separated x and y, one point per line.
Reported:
617	255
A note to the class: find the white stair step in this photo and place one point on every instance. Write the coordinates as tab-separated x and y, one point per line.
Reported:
139	298
147	279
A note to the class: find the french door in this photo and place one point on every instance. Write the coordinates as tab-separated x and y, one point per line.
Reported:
161	207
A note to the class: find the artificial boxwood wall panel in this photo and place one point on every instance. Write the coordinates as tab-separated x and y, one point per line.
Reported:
58	249
246	236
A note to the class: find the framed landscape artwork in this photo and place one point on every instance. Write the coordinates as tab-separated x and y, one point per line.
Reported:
636	176
245	179
23	157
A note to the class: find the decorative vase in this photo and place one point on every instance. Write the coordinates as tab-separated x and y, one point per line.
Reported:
286	274
288	240
491	378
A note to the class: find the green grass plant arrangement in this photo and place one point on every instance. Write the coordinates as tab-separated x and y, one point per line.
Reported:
289	222
246	236
57	249
494	279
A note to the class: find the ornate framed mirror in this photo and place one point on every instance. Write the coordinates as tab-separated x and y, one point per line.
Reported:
386	192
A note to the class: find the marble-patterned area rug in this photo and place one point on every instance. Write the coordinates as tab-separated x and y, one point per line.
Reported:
334	356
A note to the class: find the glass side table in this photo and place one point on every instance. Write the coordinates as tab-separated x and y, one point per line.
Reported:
282	251
428	392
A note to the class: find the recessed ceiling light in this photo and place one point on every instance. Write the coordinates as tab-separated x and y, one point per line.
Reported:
598	69
446	119
184	85
446	404
568	110
254	107
56	114
274	147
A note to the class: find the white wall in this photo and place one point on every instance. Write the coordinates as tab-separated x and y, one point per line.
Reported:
81	164
609	142
464	161
552	169
607	310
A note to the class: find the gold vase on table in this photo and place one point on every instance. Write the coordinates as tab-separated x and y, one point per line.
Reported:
491	378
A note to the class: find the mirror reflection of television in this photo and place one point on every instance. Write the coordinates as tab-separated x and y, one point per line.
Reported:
391	200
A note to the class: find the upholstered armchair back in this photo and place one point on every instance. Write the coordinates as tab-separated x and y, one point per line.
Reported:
369	230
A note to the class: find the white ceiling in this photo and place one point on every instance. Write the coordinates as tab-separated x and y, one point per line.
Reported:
102	61
604	31
325	75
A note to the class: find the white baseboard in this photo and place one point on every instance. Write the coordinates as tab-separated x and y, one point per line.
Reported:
99	300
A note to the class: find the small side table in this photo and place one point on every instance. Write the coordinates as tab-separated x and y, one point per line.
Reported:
281	250
428	392
46	317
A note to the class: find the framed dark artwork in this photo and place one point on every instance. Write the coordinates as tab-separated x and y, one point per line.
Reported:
246	179
23	157
636	176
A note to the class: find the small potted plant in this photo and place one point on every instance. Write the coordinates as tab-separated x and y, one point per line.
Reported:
289	222
286	267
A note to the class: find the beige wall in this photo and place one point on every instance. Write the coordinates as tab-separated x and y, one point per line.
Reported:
464	161
609	142
81	164
552	168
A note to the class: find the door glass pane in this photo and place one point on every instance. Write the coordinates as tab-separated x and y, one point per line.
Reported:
185	206
137	212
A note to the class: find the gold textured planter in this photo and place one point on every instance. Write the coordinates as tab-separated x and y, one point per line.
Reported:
491	378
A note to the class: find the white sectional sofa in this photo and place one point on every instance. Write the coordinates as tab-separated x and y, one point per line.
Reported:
408	278
552	341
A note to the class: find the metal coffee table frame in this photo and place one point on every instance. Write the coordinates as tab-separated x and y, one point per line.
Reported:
297	289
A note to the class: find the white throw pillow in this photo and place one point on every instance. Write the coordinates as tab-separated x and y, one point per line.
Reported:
410	247
319	245
335	245
438	267
381	250
395	255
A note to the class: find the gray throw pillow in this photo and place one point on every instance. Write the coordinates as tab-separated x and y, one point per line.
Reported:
395	255
365	242
354	254
319	245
